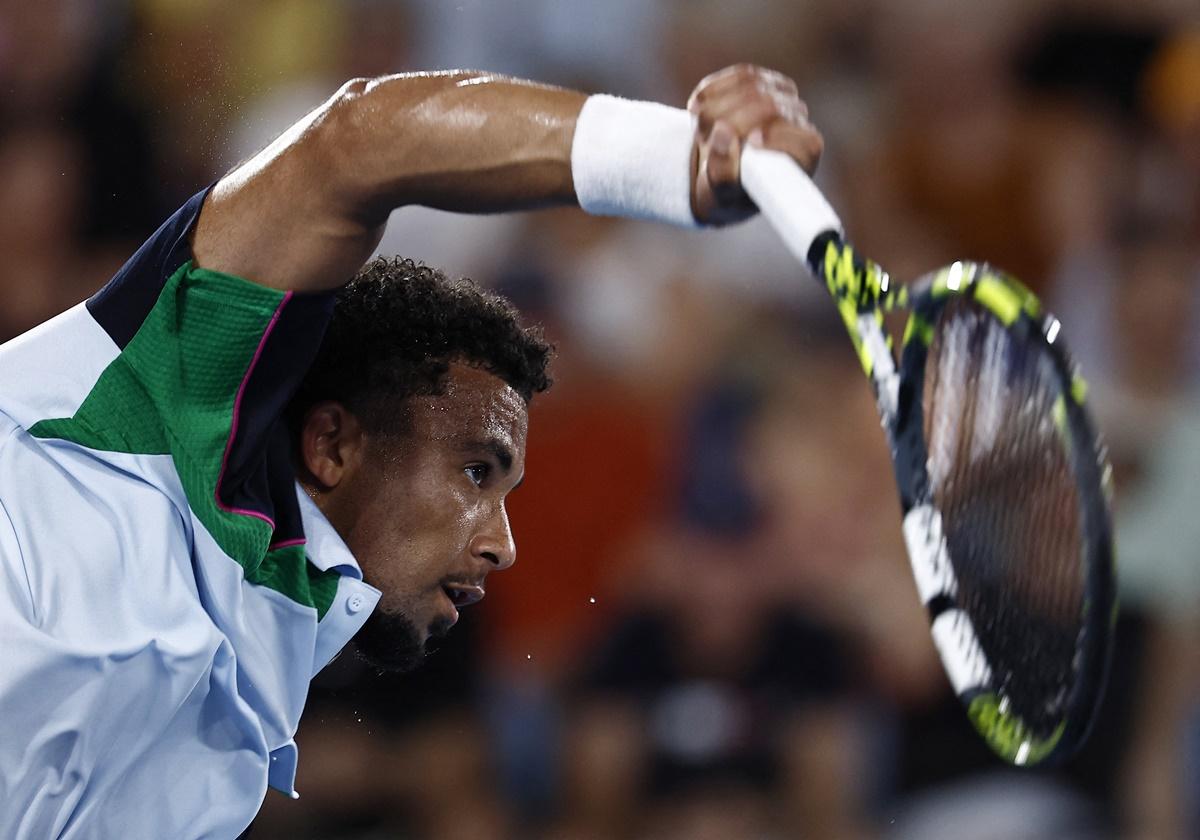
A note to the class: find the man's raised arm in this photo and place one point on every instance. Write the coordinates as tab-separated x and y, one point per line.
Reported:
307	211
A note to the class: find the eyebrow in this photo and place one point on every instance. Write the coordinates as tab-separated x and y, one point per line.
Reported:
501	452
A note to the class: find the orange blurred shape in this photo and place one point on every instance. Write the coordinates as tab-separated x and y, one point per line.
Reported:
1172	82
596	474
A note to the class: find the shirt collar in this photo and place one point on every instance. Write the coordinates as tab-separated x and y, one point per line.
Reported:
325	548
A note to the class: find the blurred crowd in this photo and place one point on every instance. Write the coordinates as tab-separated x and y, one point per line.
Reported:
712	631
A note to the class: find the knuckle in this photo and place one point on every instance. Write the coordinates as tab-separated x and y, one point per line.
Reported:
744	76
792	111
764	111
726	76
704	86
772	77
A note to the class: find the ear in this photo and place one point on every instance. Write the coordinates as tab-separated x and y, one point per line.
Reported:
332	442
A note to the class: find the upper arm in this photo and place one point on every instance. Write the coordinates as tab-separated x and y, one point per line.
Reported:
307	211
285	218
173	359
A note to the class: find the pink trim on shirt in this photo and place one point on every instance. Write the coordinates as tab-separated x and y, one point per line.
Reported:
237	406
286	543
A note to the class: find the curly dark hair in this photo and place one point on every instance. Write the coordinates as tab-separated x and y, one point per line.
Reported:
397	326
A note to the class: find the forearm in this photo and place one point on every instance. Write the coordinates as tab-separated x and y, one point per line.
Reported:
308	210
509	149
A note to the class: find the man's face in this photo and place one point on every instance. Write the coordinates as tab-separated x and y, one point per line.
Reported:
424	513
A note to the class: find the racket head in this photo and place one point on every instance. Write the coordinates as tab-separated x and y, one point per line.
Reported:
1005	489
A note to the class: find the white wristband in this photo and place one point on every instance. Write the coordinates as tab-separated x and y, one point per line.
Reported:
634	159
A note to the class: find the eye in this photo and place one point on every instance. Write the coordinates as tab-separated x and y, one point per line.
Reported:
478	473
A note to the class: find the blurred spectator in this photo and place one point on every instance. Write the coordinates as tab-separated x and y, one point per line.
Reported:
1153	417
45	53
1002	807
725	687
708	468
40	186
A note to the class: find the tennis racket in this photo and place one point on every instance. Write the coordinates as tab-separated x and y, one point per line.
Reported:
1004	485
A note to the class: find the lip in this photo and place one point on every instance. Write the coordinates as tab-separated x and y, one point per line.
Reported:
463	594
458	595
450	607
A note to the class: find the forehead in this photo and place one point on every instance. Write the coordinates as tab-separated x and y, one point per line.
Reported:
476	406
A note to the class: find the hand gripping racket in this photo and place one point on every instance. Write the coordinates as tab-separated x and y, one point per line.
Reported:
1003	482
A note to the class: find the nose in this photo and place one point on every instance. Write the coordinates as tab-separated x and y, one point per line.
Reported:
494	542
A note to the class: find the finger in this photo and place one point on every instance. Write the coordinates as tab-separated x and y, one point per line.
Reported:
743	116
721	82
803	144
789	100
776	82
722	164
737	77
739	106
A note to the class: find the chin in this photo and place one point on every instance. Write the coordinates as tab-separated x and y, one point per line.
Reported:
392	642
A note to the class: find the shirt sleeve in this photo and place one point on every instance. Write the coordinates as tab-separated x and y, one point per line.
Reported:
198	365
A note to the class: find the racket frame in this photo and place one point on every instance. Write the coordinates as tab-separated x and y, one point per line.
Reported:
863	292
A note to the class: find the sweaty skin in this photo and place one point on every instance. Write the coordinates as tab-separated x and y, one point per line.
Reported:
307	211
422	510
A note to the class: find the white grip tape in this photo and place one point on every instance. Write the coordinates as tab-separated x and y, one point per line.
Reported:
634	159
788	198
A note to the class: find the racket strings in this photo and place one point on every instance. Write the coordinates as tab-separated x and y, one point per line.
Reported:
1001	476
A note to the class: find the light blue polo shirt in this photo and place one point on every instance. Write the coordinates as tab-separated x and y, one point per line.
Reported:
167	591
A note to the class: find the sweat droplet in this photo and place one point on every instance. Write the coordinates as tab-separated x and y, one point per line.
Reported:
529	656
591	600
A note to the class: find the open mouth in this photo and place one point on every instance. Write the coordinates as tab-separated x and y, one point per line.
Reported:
462	594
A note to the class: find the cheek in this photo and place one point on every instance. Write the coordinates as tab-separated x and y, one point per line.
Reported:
411	540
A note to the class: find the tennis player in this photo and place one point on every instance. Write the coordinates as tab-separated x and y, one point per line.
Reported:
203	501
